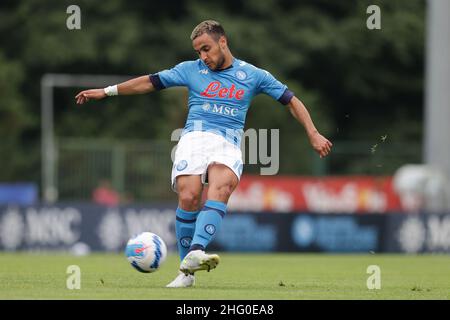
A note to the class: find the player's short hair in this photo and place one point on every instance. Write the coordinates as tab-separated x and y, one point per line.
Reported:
211	27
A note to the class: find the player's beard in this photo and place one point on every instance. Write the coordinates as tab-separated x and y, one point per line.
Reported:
220	61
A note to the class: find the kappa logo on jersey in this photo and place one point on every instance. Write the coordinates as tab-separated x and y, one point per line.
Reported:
215	89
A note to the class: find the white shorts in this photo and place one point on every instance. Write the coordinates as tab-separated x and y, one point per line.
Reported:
196	150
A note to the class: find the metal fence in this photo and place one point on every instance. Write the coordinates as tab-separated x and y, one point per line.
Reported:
366	158
139	170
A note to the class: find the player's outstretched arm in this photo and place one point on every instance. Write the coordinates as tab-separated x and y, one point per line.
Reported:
137	85
319	143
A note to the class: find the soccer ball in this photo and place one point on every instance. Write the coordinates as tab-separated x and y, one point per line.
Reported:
146	252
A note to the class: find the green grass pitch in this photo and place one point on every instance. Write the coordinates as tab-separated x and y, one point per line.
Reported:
282	276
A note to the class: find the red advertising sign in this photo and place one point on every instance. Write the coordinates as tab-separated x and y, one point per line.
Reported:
349	194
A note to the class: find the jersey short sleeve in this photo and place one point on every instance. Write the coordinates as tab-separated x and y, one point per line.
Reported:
274	88
175	77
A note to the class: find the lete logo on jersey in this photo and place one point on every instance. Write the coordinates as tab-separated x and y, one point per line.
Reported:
215	89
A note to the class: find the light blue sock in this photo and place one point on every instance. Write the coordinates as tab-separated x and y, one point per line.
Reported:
208	224
184	230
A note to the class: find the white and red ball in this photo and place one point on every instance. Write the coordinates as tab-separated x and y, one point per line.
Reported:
146	252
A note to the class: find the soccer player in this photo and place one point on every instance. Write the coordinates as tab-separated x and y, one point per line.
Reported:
221	88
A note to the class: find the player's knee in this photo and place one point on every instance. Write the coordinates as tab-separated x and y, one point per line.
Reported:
221	192
189	200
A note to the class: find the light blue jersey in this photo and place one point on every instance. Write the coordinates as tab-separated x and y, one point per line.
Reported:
219	100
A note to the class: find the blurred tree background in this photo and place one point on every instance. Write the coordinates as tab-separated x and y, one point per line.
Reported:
358	84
